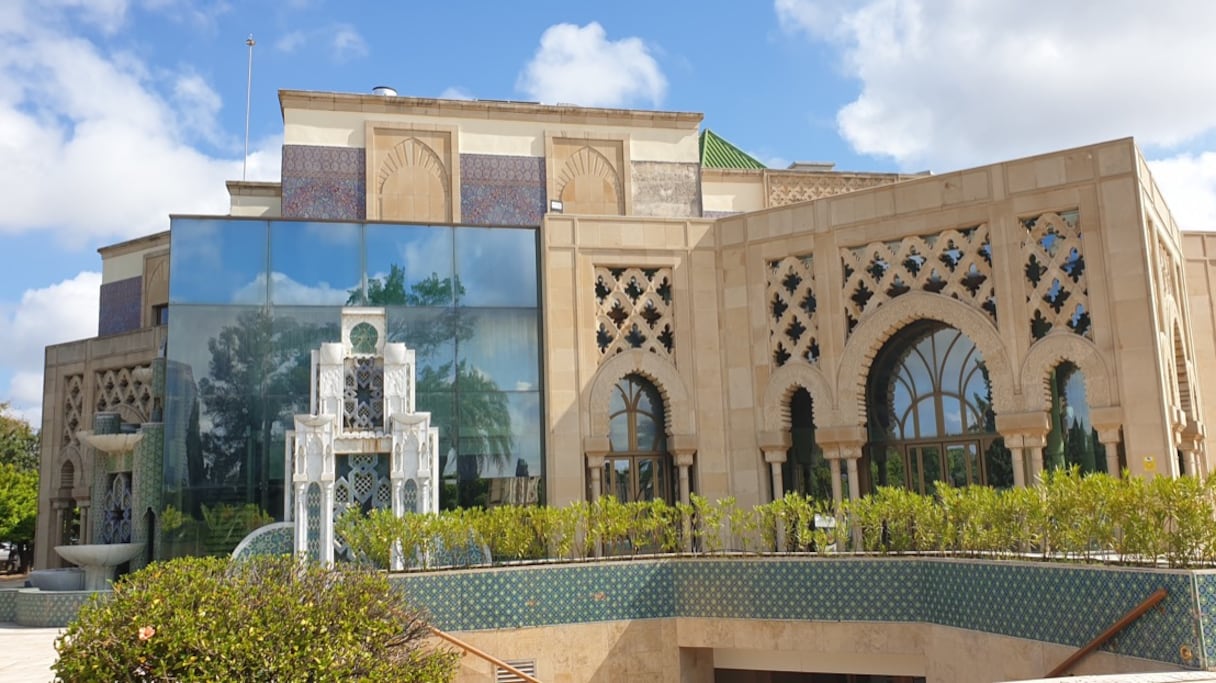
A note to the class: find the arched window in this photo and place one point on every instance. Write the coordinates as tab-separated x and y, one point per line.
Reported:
804	470
638	466
930	413
1072	439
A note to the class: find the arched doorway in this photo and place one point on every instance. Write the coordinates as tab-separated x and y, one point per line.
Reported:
804	470
638	466
1072	440
930	418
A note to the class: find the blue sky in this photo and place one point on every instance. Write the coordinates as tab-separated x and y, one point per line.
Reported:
115	113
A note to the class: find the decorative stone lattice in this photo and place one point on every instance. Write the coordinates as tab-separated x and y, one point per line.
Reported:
116	509
363	397
117	389
792	188
953	263
1167	283
1057	293
73	408
365	485
793	326
634	310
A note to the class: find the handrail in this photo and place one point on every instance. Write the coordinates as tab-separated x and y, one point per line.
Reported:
1136	612
483	654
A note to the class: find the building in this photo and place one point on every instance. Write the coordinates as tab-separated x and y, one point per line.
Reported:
617	301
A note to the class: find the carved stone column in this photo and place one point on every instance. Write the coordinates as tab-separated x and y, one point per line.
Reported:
834	467
1034	448
595	448
1017	459
86	527
684	449
1191	443
301	517
327	523
775	446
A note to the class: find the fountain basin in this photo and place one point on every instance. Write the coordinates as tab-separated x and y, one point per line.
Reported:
113	444
61	579
99	560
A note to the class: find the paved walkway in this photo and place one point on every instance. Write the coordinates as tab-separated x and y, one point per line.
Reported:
26	654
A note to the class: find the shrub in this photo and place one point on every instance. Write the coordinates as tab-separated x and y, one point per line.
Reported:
262	619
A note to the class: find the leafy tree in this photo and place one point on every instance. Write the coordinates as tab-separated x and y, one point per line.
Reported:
18	509
258	375
18	484
479	430
18	441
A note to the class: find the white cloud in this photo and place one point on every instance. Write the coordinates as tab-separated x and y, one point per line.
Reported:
455	93
93	150
579	65
343	41
61	312
953	83
1189	184
347	43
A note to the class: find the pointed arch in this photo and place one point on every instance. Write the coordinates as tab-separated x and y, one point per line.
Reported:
1048	352
781	386
412	183
590	165
875	328
69	465
663	375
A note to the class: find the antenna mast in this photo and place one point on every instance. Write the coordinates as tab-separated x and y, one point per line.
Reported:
248	91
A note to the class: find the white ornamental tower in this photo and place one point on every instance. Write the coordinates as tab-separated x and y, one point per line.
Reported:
362	445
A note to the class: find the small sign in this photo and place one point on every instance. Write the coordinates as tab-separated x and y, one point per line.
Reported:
1150	464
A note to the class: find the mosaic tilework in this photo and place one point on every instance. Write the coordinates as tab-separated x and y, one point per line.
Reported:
720	214
1064	604
8	605
819	590
119	309
324	182
41	609
147	468
501	190
513	598
272	539
666	189
1205	598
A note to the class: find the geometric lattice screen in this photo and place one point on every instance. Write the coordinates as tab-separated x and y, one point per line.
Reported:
633	310
73	408
116	509
793	326
953	263
363	483
1056	290
363	397
118	387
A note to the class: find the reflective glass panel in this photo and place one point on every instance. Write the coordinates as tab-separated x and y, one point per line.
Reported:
497	266
315	264
410	265
502	347
218	261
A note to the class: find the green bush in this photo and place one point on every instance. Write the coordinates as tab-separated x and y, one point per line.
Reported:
263	619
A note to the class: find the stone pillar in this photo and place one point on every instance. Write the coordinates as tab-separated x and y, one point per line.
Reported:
327	523
684	449
61	521
775	446
595	448
834	466
301	517
1034	448
86	528
1017	459
1192	438
684	461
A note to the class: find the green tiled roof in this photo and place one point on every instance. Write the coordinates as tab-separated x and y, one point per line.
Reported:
718	153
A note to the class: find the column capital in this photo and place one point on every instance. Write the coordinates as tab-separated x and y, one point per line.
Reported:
842	450
774	455
774	441
596	445
682	443
1037	422
595	462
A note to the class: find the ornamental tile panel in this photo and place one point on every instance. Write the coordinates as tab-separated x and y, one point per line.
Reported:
501	190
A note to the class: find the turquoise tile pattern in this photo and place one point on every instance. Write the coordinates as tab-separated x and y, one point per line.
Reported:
1056	603
8	605
1205	599
43	609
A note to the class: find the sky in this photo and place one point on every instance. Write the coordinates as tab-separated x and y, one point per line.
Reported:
116	113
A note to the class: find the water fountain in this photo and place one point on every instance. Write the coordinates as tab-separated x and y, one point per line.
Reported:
98	560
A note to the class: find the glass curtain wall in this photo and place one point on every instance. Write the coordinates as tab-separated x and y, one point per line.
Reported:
252	298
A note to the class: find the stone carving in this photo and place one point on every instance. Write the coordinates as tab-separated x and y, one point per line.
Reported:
781	386
1057	293
1044	355
791	188
589	183
680	417
793	326
666	189
73	408
363	396
116	509
634	311
876	328
952	263
411	168
119	391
